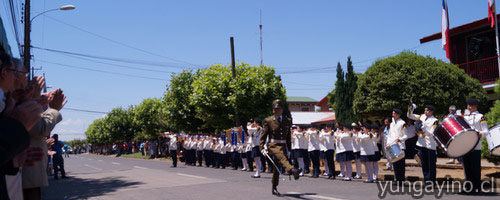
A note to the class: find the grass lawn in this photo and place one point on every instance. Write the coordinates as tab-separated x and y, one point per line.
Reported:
135	155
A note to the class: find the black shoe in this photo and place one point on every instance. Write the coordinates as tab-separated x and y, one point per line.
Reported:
331	177
64	177
173	166
296	173
307	171
254	176
275	191
56	178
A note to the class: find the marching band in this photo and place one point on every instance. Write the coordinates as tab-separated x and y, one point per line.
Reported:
417	138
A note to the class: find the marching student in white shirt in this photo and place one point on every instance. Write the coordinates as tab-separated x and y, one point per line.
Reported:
255	133
397	135
356	148
472	160
299	147
376	132
426	145
199	151
344	151
338	130
172	147
242	149
223	151
313	148
207	153
248	149
367	151
327	146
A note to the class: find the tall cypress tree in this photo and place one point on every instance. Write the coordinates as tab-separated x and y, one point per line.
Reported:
351	84
340	91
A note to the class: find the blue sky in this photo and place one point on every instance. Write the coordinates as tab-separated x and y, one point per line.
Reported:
298	35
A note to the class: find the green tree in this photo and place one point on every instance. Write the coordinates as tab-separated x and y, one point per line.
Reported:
351	84
149	119
121	124
98	132
217	96
339	98
391	82
179	113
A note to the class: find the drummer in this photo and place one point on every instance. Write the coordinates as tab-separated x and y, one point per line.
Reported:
426	145
397	135
472	160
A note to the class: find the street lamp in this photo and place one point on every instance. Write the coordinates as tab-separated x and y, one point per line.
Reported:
27	32
65	7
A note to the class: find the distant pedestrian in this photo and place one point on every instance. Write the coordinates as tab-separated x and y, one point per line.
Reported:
58	160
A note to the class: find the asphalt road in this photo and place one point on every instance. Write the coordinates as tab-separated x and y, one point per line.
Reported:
105	177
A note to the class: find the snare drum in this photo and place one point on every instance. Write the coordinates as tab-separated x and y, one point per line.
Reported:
456	136
493	139
394	153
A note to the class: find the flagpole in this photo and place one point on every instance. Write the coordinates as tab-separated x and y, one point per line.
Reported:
496	35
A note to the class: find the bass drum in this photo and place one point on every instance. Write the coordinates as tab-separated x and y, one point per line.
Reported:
493	140
456	136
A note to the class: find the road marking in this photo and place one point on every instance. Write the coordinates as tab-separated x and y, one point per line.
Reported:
140	167
115	163
192	176
314	196
90	158
92	167
99	160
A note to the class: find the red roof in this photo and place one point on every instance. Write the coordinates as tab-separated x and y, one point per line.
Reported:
460	29
322	101
330	118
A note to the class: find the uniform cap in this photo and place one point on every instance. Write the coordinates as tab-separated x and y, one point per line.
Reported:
472	102
277	104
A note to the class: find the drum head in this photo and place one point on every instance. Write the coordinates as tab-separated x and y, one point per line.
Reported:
462	143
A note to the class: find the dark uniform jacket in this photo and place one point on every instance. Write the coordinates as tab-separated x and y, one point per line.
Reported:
276	130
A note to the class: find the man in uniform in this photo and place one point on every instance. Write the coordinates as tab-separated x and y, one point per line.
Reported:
472	160
277	128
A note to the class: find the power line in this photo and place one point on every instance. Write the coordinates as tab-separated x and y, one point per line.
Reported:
88	111
121	43
102	71
123	66
124	60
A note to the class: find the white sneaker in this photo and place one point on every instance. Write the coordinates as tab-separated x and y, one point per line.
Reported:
340	175
325	174
244	169
301	174
347	179
357	177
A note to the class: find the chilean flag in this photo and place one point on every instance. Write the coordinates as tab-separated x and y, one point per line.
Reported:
445	29
491	13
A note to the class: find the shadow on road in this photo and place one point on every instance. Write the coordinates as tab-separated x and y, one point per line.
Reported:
77	188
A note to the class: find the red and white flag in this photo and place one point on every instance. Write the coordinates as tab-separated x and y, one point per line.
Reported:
445	29
491	13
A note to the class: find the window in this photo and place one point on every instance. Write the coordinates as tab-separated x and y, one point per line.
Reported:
305	109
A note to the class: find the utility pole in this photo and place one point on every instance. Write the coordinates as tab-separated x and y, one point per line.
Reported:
260	26
233	69
27	39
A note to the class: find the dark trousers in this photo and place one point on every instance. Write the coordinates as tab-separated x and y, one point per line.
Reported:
32	193
411	147
223	161
428	162
199	157
399	170
250	160
315	160
472	168
173	153
58	164
235	156
206	155
330	163
307	162
216	160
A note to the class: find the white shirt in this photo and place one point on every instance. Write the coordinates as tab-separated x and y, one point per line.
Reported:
355	144
477	121
375	140
255	133
429	125
199	145
366	144
343	141
327	141
313	139
173	142
396	131
206	143
222	147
